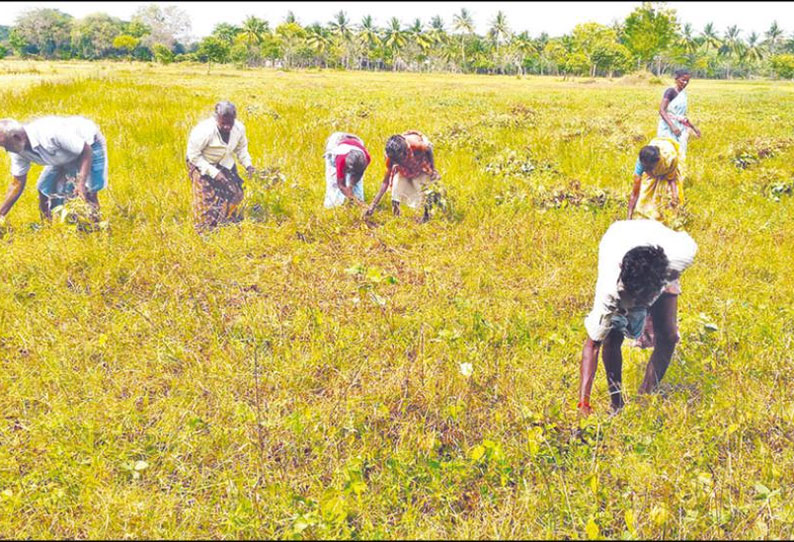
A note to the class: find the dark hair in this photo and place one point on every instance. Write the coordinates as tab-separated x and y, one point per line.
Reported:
396	147
355	163
681	72
643	271
649	155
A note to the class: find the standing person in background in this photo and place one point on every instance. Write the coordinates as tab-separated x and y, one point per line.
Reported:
73	151
637	259
346	159
211	149
410	166
673	109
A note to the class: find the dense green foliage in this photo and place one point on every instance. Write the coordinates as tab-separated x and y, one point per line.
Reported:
304	375
651	37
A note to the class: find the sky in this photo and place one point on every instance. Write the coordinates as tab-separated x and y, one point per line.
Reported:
555	18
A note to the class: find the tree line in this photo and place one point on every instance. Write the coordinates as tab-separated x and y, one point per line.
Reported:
650	38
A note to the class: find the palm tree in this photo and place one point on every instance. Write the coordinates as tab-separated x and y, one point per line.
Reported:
254	30
732	46
318	41
290	18
463	22
754	51
341	30
368	37
687	40
395	40
437	34
524	47
421	39
774	37
499	32
540	46
710	38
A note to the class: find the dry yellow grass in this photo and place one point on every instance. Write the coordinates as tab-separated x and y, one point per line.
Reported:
299	375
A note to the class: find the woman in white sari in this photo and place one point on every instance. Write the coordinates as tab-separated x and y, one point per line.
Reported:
346	159
674	122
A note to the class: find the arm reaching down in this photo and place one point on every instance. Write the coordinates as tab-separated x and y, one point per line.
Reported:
86	159
665	115
14	191
635	194
387	178
587	372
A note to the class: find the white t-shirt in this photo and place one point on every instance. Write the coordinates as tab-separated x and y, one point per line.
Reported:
54	141
621	237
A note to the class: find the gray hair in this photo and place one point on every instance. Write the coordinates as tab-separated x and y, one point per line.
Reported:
225	109
10	128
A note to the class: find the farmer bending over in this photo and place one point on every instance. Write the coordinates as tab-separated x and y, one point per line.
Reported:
346	159
211	149
409	167
71	149
657	194
658	181
637	259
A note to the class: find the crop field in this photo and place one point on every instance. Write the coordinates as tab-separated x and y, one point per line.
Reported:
304	374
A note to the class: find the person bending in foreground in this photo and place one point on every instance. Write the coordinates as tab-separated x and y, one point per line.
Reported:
657	194
409	167
211	148
74	154
637	259
346	159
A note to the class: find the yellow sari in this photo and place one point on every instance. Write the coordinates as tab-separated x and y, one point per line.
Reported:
662	189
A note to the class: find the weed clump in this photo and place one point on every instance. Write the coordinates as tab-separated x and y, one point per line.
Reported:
511	164
573	195
774	183
438	200
752	151
79	214
258	194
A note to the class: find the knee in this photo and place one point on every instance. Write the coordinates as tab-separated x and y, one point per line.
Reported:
613	340
667	336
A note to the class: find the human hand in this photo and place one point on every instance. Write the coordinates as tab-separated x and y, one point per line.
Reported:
221	177
368	212
80	189
584	409
435	176
251	170
677	131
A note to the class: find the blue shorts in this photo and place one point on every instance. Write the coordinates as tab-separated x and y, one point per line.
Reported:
632	323
57	182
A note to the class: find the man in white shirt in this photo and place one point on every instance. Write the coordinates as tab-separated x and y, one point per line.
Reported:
73	151
211	150
637	259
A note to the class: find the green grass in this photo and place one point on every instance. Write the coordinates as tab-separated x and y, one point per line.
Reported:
299	375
